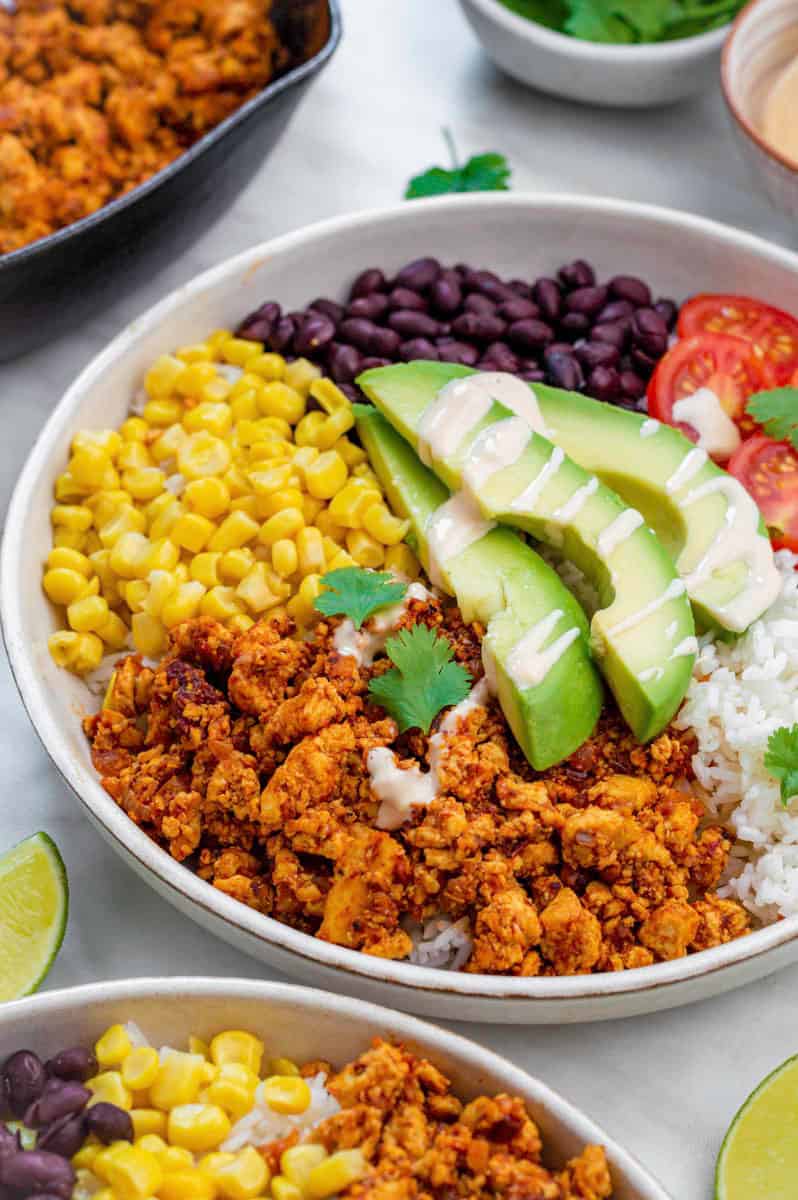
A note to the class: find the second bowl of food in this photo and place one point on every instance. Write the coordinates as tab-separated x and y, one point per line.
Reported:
371	734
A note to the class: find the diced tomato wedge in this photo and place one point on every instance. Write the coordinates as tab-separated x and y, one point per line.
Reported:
773	333
769	471
724	364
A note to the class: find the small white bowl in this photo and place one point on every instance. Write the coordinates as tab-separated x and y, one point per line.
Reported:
303	1025
510	233
595	73
763	39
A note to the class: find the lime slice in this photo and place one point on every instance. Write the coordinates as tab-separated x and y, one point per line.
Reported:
759	1156
34	901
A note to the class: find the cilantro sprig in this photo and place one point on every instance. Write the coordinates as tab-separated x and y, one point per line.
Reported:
356	593
481	173
777	412
423	680
628	21
781	759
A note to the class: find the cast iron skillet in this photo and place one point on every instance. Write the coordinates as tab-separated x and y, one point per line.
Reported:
55	282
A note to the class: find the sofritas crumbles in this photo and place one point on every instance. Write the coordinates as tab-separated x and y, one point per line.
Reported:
245	756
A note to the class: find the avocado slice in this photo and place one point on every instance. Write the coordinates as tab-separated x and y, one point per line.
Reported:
704	517
501	582
642	636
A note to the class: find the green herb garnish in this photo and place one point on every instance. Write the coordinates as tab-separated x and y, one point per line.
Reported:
482	173
357	593
781	759
628	21
777	412
424	679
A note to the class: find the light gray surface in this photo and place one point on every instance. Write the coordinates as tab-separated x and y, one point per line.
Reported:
666	1086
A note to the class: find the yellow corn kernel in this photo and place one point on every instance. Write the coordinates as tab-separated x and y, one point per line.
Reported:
311	507
153	1143
286	1093
363	471
162	413
127	519
214	341
69	539
133	1173
300	611
271	452
235	530
235	565
284	524
208	497
76	517
136	594
341	560
309	428
63	585
88	614
330	528
244	407
239	351
255	591
113	1047
183	604
106	503
268	366
205	568
245	504
209	1071
148	1121
84	1158
91	467
167	445
236	481
197	1127
91	542
176	1158
240	623
63	648
191	531
245	1178
331	550
326	476
284	557
235	1046
202	455
328	395
214	418
233	1090
215	391
144	483
104	1158
162	376
149	635
130	556
289	497
402	561
164	555
197	1046
268	428
338	424
134	429
133	456
178	1081
73	560
383	526
284	1189
364	549
283	1066
265	480
161	526
67	489
221	603
279	400
300	374
336	1173
140	1068
348	507
310	551
297	1162
113	631
303	456
196	352
350	453
187	1184
109	1087
191	381
88	654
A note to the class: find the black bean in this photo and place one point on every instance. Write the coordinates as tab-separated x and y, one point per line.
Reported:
407	298
491	286
649	332
9	1142
452	351
418	348
479	327
615	311
64	1137
330	308
60	1098
598	354
530	334
384	342
259	324
24	1078
469	277
574	325
371	363
643	363
477	303
357	331
587	300
518	310
611	331
419	275
109	1123
521	288
532	375
668	311
372	307
501	358
315	332
282	335
577	274
563	370
566	347
547	295
629	287
632	385
32	1172
603	383
370	280
75	1063
352	392
343	362
413	324
446	295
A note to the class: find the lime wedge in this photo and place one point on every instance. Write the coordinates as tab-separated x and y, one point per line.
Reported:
759	1156
34	901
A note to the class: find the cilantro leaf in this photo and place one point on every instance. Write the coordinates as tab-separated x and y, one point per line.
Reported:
482	173
777	413
424	679
625	21
781	759
593	23
357	593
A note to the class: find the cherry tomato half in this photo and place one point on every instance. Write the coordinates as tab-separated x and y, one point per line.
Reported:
774	333
769	471
724	364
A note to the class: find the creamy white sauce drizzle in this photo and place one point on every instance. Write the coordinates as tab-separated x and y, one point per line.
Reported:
497	447
462	403
690	465
451	529
526	501
574	504
649	428
527	663
651	674
676	587
717	433
618	531
366	643
688	646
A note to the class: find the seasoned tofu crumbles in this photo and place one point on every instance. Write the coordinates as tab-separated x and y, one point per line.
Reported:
262	761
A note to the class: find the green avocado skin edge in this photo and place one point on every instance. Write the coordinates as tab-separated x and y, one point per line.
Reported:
502	583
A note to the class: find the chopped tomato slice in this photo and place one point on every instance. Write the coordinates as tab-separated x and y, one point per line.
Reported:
720	362
769	471
773	333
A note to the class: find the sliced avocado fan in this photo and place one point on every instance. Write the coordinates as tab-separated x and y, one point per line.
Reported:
500	581
481	433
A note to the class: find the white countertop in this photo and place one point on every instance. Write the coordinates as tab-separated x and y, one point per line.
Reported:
666	1086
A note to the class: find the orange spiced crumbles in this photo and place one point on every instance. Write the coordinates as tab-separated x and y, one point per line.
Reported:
249	757
98	95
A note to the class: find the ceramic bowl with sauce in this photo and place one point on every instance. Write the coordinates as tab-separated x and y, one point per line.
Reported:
761	50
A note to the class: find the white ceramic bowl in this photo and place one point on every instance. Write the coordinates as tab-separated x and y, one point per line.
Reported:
764	38
591	72
303	1025
512	234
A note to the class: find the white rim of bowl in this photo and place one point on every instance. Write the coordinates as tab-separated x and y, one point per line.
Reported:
614	53
182	882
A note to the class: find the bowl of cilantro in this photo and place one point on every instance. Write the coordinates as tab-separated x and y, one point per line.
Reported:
623	53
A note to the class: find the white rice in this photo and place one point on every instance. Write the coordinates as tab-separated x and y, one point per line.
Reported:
741	692
136	1034
441	943
263	1125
